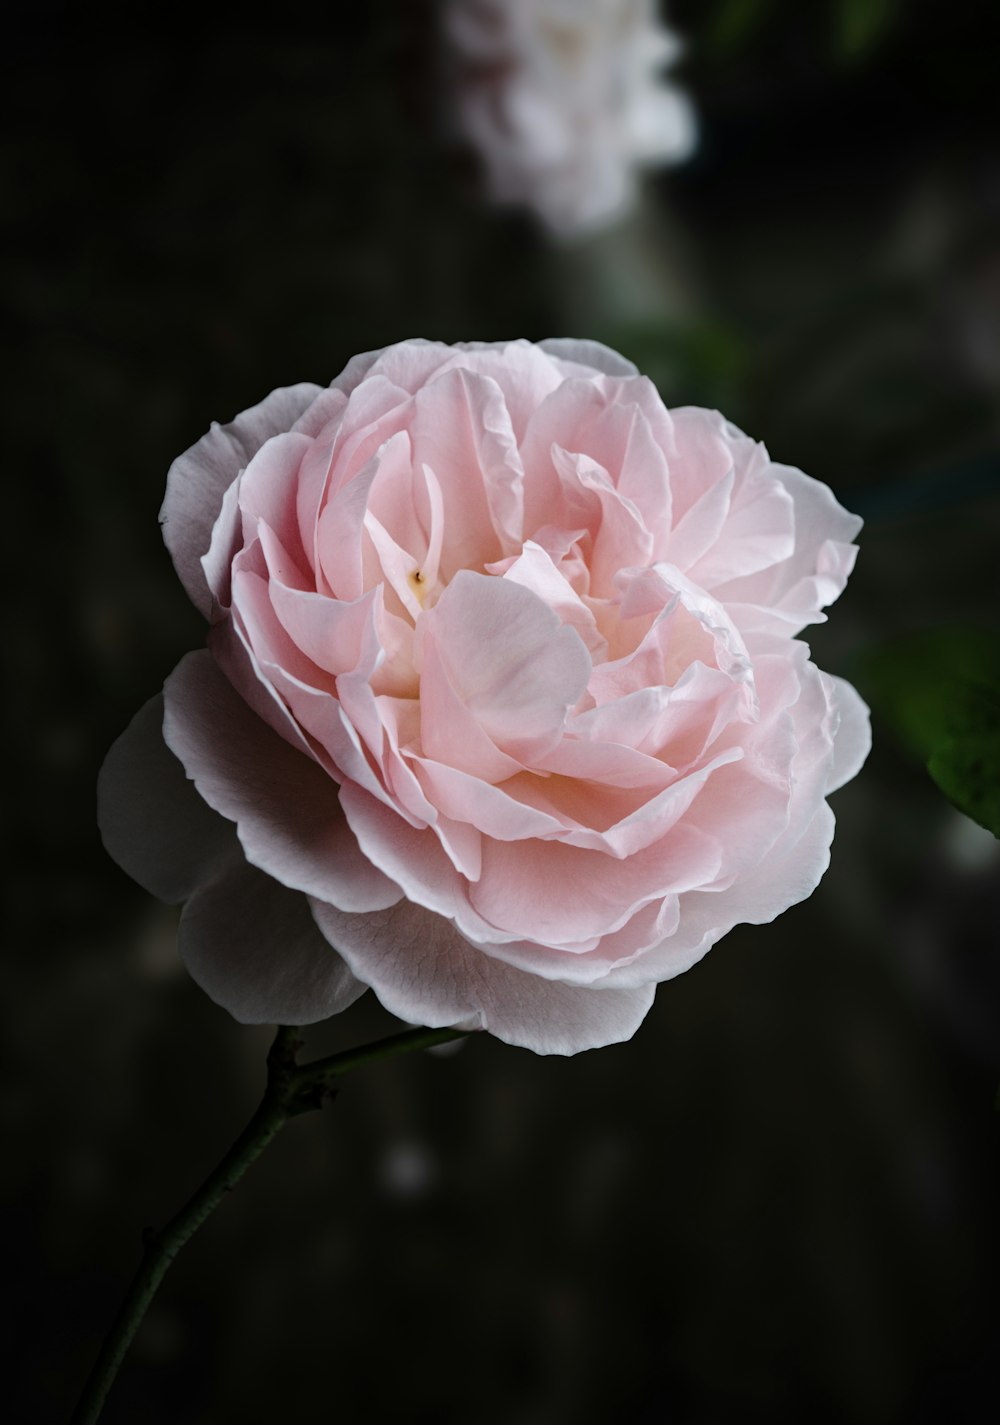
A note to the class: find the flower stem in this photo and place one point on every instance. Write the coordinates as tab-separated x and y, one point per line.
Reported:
291	1089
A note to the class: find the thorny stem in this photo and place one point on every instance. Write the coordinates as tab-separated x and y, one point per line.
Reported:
291	1089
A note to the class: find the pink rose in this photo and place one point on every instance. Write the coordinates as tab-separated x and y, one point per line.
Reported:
502	697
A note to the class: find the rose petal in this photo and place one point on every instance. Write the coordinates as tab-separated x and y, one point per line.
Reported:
788	875
424	971
852	735
255	949
791	593
198	480
286	809
580	351
152	821
554	893
510	661
461	430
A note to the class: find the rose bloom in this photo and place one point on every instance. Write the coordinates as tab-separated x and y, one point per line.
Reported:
503	713
564	100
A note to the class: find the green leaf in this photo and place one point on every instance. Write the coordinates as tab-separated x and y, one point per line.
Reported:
939	691
966	763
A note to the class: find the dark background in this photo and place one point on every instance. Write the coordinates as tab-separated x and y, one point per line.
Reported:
779	1202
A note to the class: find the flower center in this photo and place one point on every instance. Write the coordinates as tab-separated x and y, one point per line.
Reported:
418	585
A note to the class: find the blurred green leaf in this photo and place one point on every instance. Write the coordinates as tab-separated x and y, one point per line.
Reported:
704	360
939	691
735	21
861	25
966	765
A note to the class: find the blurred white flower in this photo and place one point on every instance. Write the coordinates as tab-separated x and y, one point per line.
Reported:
564	100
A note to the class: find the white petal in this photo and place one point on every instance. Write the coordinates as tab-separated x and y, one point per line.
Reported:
425	972
152	820
198	480
593	354
255	949
852	740
286	808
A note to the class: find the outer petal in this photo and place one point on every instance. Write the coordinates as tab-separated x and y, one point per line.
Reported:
286	808
198	480
254	948
594	354
852	740
425	972
153	822
788	874
520	369
792	593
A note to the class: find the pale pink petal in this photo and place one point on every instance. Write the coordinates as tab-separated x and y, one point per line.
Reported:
460	429
524	374
400	720
611	760
789	874
483	447
489	808
339	540
232	653
409	364
356	370
556	893
329	632
515	667
648	823
627	432
852	733
374	413
555	422
266	634
639	465
425	868
414	855
597	964
286	809
227	535
701	525
699	455
759	532
311	489
619	536
325	412
268	489
198	480
425	972
293	572
256	950
398	568
580	351
449	730
463	846
152	821
534	569
792	593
